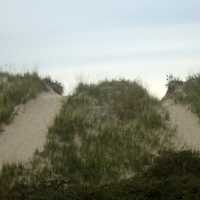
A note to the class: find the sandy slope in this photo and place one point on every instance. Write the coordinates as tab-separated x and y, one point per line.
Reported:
187	124
28	130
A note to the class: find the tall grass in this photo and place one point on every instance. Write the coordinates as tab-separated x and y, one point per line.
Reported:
54	85
106	132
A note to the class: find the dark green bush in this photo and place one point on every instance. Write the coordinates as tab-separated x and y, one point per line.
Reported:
176	163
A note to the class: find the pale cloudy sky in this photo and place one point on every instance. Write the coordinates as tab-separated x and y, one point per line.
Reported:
91	40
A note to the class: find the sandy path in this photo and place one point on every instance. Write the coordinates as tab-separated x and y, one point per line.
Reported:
187	124
28	131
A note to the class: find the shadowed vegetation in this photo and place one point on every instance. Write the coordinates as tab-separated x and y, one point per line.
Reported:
172	175
54	85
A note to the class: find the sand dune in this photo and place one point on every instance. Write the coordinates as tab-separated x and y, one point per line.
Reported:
187	125
27	132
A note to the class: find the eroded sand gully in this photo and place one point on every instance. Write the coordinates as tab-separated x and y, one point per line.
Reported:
28	131
187	125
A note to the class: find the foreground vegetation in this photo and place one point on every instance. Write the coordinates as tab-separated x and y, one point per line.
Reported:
186	92
172	176
17	89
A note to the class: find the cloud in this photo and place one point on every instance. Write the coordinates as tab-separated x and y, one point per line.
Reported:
102	39
152	75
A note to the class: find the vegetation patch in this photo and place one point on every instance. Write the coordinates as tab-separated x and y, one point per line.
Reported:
106	132
16	89
172	175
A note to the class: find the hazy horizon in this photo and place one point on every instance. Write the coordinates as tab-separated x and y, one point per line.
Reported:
94	40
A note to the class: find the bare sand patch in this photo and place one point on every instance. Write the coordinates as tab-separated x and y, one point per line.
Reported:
28	131
187	125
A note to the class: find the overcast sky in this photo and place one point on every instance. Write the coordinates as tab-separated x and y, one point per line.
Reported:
91	40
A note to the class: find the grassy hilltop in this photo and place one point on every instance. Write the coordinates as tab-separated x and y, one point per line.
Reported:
107	132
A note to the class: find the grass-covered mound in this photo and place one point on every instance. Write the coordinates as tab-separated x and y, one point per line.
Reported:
186	92
172	176
106	132
17	89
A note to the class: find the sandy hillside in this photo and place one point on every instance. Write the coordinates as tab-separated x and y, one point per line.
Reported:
28	131
186	123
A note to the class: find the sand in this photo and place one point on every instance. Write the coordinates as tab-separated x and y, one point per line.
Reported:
187	125
28	131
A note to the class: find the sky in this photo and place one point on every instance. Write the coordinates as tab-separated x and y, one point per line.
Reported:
94	40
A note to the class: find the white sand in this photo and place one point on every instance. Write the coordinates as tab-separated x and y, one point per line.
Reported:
28	131
187	124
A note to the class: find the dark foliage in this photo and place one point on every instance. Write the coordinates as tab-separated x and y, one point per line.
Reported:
180	180
55	85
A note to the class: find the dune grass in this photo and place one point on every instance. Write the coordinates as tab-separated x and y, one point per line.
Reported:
111	141
54	85
172	175
16	89
106	132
